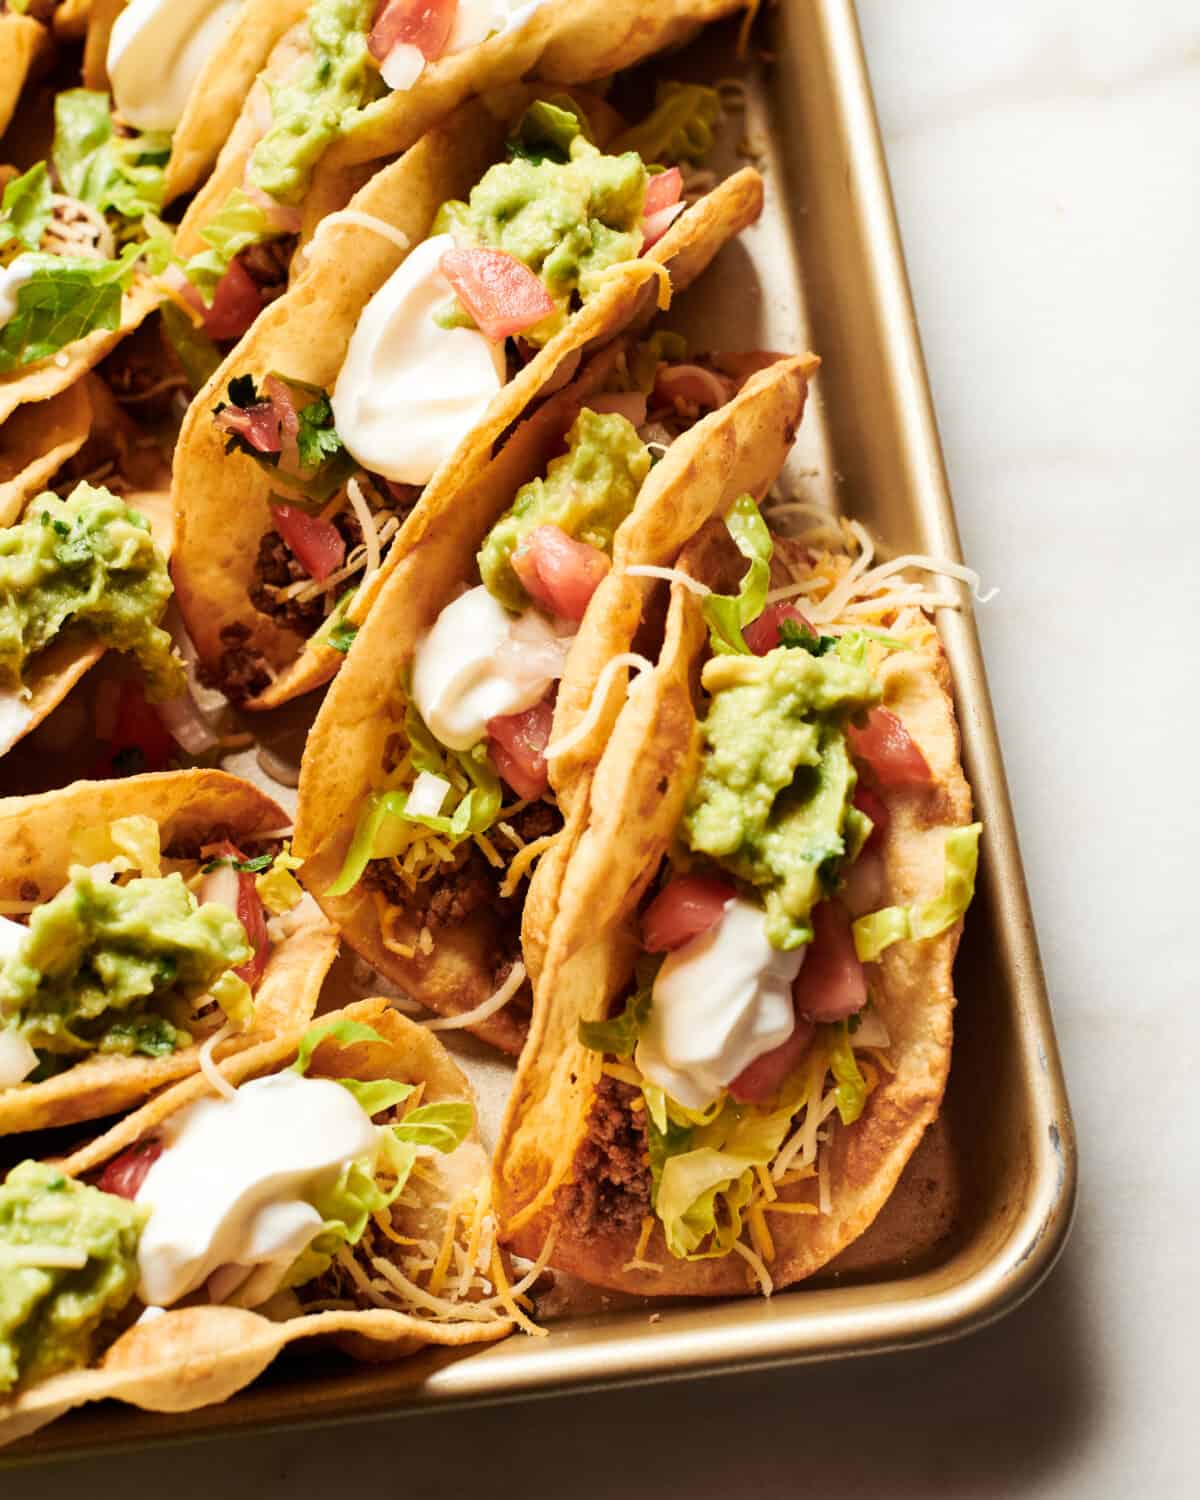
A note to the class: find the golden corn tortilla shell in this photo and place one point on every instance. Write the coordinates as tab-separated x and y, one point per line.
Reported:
54	672
71	19
739	446
36	441
197	1356
24	42
47	377
548	1113
36	838
222	499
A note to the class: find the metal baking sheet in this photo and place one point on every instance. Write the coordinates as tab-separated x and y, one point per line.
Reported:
983	1210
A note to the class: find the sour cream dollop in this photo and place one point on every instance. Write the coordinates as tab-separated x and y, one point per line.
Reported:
231	1190
12	278
478	662
156	52
720	1002
409	390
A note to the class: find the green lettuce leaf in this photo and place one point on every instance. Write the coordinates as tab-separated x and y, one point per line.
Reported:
618	1036
546	129
681	126
851	1085
26	208
880	929
727	614
121	174
345	1032
64	300
444	1126
238	224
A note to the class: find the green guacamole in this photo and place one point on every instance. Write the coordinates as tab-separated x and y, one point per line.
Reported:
50	1316
87	562
312	107
567	220
772	800
587	492
118	968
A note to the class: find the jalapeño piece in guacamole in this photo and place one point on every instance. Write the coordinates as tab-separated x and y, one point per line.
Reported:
772	802
587	492
87	563
119	968
68	1264
568	214
313	106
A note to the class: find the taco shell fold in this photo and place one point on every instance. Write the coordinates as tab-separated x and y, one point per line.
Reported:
24	42
37	835
36	441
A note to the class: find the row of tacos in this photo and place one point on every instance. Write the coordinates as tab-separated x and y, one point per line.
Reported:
620	767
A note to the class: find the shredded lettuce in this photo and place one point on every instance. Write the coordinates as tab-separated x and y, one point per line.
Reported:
194	350
444	1126
880	929
851	1091
618	1036
728	614
547	128
681	127
238	224
385	826
113	173
27	208
64	299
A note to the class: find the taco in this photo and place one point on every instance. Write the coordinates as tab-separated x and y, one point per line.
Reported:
78	576
368	395
148	923
339	1191
742	1026
356	82
425	792
24	44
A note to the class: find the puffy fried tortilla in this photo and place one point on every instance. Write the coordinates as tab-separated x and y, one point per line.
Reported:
221	498
36	441
636	797
740	445
195	1356
23	43
54	672
37	835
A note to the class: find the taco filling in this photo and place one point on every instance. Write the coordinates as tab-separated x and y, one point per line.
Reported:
290	1184
750	1024
142	952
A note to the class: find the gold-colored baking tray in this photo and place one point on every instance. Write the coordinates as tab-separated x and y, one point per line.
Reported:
984	1208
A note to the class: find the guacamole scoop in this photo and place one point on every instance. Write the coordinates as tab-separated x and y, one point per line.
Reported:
119	968
51	1315
86	563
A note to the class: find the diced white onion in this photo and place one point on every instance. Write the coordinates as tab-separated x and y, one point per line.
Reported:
17	1058
403	65
870	1031
427	795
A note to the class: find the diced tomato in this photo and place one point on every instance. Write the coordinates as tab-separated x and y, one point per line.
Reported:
875	807
124	1175
250	913
424	24
236	303
139	740
762	635
683	909
258	424
558	572
762	1079
318	545
833	983
889	751
655	225
692	383
499	291
518	744
280	396
663	189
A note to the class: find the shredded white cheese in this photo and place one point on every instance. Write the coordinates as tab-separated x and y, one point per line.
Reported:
489	1007
671	575
755	1262
568	741
364	221
216	1080
369	530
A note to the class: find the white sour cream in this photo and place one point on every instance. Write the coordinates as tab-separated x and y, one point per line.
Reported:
467	668
155	54
409	390
12	278
232	1185
720	1002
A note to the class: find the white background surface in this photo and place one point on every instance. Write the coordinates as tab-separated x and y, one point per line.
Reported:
1044	155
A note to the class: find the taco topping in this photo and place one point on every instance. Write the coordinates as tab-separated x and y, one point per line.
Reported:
87	563
67	1268
156	52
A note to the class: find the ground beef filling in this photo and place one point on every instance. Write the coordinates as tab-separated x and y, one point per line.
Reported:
611	1190
241	671
470	884
277	566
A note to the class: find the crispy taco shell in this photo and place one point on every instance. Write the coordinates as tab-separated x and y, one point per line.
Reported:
36	441
222	499
740	445
36	838
24	43
590	955
55	671
196	1356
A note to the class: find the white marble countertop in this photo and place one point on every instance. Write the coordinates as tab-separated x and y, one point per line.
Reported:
1044	159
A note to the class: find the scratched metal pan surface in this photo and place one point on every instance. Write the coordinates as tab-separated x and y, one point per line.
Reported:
982	1212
